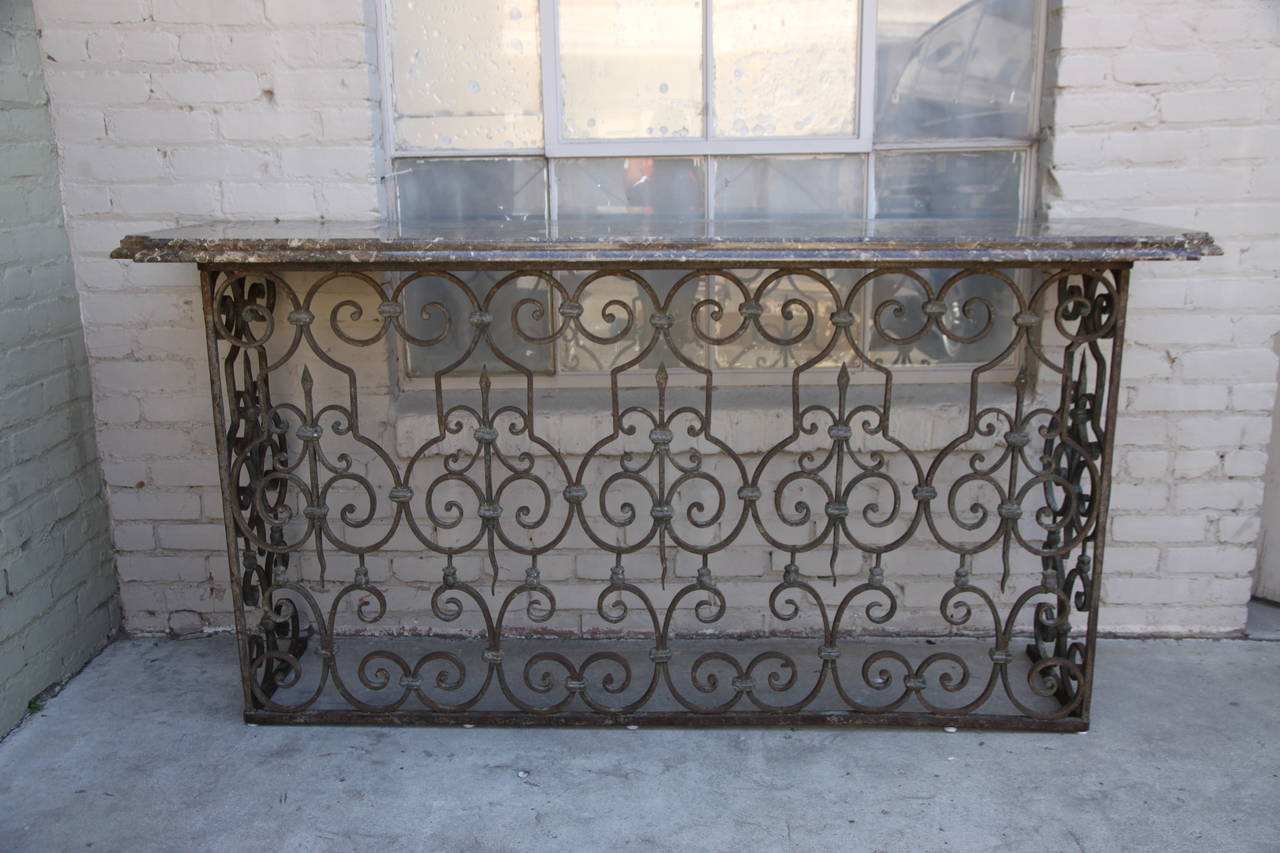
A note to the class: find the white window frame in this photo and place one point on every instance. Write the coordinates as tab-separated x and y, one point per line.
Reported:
556	148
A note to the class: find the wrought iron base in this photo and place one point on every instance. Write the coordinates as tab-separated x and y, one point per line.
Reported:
838	494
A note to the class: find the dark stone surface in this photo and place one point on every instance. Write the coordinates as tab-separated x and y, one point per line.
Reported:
650	242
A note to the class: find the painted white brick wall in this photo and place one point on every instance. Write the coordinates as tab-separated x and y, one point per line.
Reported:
1169	112
174	111
58	601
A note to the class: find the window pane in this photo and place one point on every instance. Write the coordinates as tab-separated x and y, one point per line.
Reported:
794	186
437	307
948	185
944	185
631	70
668	187
785	69
973	327
950	69
467	74
455	188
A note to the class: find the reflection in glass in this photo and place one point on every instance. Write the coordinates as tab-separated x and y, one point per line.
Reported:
785	69
949	69
433	306
466	74
616	308
944	185
670	187
457	188
949	185
754	187
631	70
975	313
787	340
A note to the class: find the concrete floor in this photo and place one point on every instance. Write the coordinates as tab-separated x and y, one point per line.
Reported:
145	751
1264	620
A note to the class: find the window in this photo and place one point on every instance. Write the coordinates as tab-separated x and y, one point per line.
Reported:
564	109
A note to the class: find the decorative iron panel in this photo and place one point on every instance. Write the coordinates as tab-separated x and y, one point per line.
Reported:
837	492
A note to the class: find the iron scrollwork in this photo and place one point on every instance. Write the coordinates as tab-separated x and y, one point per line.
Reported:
838	491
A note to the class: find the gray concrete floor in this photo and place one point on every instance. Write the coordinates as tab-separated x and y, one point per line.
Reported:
1264	620
145	750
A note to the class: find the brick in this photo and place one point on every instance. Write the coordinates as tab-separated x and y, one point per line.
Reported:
1214	560
224	162
160	125
193	87
1167	397
221	12
322	87
1173	590
185	472
1136	496
322	49
191	198
98	87
1098	29
1182	329
1206	106
1224	431
1232	495
112	164
139	442
1257	365
327	163
143	375
1146	464
1245	463
134	537
268	124
1160	528
286	12
1190	464
1083	108
98	12
192	537
233	49
130	47
1240	529
154	504
1164	67
154	568
268	200
1259	397
1131	560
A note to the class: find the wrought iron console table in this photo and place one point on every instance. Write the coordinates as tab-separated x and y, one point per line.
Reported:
522	557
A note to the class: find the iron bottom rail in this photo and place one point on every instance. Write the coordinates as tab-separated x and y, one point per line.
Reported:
672	719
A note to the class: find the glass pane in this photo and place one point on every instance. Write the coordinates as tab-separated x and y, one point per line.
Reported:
435	306
950	69
785	69
453	188
467	74
944	185
787	335
616	311
974	325
631	70
948	184
748	187
668	187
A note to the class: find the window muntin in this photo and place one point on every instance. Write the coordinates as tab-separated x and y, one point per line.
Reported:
954	86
